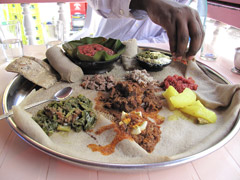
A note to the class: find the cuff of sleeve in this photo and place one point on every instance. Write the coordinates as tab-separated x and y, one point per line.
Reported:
121	7
138	14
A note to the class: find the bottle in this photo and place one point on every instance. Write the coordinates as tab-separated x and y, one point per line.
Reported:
236	68
201	7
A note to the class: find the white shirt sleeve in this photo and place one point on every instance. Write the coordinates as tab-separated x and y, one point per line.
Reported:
115	9
119	8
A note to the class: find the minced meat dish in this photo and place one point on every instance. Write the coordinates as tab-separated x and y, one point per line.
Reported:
179	83
127	96
92	49
148	137
131	105
98	82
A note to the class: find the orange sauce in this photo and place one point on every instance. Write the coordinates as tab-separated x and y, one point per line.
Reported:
109	148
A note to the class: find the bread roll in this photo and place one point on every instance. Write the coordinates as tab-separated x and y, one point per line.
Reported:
68	71
128	57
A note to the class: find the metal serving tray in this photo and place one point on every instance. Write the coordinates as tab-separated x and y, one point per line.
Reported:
19	87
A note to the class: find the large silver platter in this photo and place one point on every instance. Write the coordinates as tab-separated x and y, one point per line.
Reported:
19	88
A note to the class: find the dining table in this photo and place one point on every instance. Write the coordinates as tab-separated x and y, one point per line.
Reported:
21	161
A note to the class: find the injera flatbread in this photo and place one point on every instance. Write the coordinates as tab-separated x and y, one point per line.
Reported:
129	54
179	138
68	71
35	70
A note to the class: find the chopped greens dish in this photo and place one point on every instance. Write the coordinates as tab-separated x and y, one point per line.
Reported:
75	113
154	57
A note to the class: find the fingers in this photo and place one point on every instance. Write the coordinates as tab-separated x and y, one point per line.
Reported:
181	23
182	39
196	33
171	32
179	37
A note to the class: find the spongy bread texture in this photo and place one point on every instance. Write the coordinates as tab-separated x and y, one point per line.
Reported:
179	138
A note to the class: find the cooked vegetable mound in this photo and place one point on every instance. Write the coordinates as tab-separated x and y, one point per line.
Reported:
75	113
154	57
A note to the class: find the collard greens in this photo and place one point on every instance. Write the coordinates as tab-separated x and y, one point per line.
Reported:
73	113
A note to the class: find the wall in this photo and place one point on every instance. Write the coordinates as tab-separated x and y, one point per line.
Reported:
225	13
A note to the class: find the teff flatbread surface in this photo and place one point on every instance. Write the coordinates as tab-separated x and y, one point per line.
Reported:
35	70
179	138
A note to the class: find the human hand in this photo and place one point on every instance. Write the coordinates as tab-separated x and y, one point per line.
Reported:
181	23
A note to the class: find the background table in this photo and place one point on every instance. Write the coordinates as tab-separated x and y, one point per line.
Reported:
19	160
